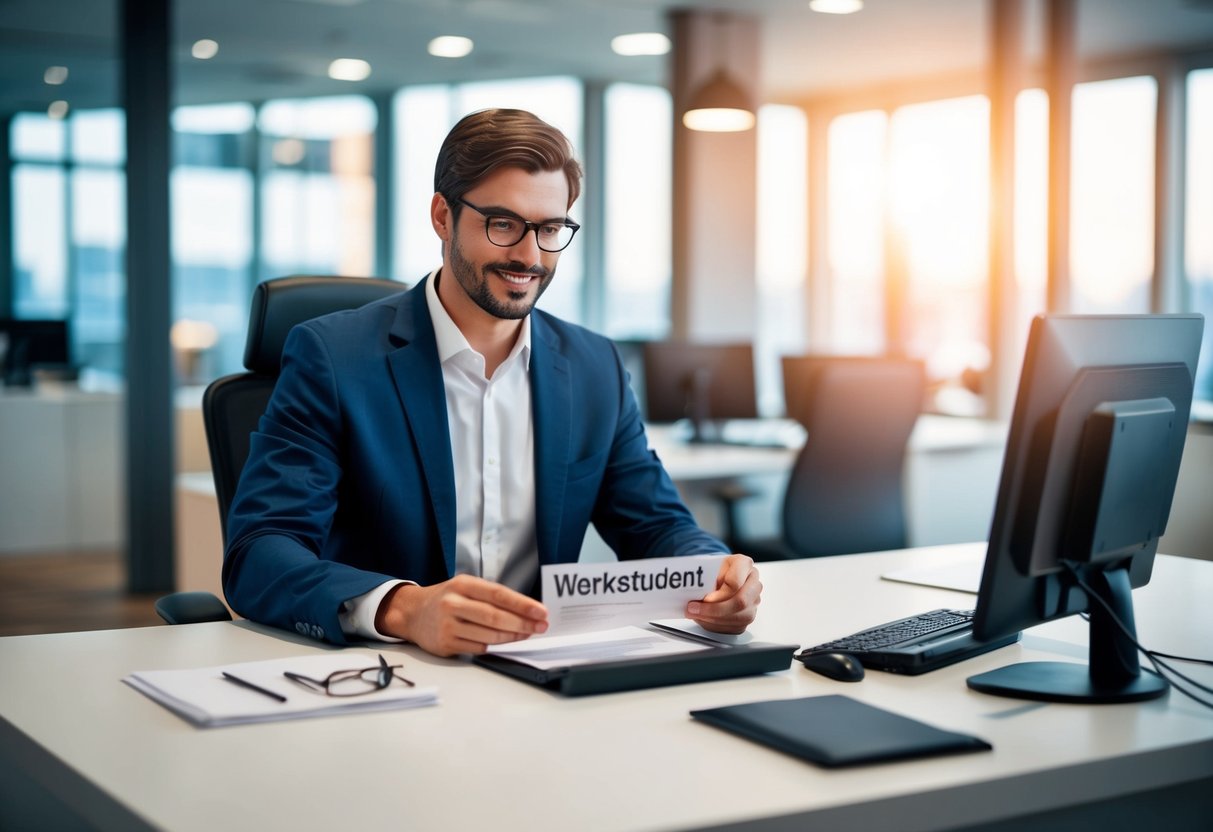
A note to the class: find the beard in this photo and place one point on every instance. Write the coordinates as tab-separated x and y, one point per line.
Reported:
475	283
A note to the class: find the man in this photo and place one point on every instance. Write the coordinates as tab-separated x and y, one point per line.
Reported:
422	456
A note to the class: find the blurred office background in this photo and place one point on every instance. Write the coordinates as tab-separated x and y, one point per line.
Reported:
893	198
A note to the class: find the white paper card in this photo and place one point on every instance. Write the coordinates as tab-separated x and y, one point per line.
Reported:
583	597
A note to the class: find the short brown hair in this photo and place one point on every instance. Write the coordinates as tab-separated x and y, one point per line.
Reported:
487	140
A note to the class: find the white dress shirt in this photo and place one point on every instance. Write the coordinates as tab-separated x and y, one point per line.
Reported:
493	451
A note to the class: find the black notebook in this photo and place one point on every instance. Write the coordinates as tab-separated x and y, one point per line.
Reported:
837	731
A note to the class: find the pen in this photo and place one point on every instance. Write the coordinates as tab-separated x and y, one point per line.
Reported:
236	680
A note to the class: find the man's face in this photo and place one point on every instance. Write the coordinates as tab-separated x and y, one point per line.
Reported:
506	282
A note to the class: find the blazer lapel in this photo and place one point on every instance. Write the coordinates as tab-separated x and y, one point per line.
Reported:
418	377
551	401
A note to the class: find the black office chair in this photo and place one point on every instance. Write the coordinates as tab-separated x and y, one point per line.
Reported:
845	493
232	405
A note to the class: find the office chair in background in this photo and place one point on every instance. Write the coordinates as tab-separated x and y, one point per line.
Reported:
233	405
845	493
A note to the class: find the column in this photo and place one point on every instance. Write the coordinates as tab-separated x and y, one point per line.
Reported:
146	90
1007	73
715	185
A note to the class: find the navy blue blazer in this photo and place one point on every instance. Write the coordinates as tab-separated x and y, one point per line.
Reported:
350	481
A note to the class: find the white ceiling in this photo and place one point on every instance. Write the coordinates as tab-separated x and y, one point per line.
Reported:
274	48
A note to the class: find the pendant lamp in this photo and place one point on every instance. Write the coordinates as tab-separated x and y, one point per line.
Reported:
720	105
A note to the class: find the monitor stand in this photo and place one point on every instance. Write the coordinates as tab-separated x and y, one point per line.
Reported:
698	408
1112	674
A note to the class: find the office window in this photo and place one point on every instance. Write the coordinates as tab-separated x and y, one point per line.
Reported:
423	116
39	241
1198	237
40	199
939	211
855	236
1112	195
98	137
69	228
211	189
38	137
782	247
98	252
638	251
318	192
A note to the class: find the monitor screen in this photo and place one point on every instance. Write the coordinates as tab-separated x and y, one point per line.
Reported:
700	382
631	353
1090	469
802	374
26	344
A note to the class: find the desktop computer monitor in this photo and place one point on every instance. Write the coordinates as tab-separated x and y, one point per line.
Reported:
26	344
1090	469
631	354
700	382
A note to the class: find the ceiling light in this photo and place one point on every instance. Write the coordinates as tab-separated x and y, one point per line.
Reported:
204	49
55	75
641	43
349	69
836	6
57	110
719	106
450	46
288	152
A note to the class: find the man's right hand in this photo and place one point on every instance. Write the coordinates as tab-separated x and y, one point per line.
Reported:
462	615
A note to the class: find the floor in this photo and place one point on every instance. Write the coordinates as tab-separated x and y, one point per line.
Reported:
67	592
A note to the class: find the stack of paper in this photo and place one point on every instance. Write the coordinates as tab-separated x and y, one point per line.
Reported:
208	699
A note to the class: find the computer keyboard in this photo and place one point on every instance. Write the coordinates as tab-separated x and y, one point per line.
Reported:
915	644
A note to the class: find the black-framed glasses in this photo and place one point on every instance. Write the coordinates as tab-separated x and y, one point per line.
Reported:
352	682
506	230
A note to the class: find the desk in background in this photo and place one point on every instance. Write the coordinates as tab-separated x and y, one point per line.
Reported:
498	754
62	457
951	477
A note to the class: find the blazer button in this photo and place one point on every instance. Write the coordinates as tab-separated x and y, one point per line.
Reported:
301	628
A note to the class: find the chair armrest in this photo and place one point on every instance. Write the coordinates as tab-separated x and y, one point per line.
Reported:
191	608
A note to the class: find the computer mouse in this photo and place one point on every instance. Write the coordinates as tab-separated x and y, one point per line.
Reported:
842	667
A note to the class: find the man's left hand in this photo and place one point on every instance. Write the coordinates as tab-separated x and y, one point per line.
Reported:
733	605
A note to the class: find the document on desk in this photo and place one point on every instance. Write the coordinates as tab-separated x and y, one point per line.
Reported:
962	575
618	644
599	611
259	692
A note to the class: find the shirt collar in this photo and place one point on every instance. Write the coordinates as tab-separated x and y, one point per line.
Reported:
451	341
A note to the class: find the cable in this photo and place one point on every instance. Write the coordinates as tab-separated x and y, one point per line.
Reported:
1153	657
1086	616
1183	658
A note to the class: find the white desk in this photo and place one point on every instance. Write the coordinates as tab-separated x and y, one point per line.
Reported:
498	754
